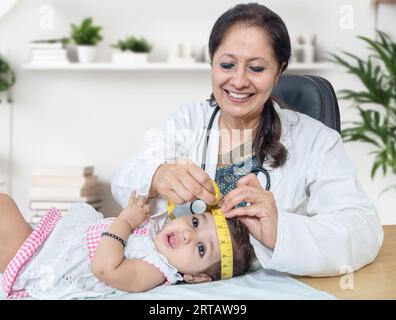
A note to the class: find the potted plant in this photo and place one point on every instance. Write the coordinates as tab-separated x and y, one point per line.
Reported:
7	79
131	50
86	36
376	103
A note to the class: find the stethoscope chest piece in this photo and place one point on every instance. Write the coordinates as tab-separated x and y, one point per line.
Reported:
198	206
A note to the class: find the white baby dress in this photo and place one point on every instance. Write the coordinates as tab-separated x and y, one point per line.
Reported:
61	267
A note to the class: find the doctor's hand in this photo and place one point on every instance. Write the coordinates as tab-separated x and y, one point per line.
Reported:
261	217
182	182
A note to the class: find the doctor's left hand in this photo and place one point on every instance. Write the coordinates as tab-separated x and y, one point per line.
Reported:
261	217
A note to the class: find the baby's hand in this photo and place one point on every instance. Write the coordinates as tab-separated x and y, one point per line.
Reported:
136	211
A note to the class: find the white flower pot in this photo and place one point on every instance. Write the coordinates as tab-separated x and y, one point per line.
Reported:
129	58
86	54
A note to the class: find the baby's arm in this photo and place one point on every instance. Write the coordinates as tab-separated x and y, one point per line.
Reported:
109	264
132	276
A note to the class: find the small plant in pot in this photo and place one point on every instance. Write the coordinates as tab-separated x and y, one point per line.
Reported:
7	79
131	50
86	36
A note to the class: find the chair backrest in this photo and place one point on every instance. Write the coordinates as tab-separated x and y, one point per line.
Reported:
312	95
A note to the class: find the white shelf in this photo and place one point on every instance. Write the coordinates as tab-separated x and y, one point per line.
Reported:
155	66
108	66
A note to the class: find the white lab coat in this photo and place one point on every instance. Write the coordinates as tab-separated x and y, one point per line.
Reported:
326	223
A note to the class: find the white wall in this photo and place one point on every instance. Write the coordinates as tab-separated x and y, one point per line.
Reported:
100	117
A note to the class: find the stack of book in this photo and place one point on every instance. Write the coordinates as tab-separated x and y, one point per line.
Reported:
48	51
60	187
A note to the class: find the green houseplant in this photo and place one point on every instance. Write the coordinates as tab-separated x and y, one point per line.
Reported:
131	50
7	78
376	103
86	36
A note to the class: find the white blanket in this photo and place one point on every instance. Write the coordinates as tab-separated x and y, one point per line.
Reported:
261	285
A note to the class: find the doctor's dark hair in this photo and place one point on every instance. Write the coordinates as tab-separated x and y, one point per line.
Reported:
266	143
243	252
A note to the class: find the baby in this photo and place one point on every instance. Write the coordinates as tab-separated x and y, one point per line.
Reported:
83	255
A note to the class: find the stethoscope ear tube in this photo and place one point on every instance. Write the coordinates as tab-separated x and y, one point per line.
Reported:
268	183
208	128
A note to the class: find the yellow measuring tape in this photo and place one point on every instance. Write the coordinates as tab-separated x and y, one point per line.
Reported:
223	234
170	209
225	243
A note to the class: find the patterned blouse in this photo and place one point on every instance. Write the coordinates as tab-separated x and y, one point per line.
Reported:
234	165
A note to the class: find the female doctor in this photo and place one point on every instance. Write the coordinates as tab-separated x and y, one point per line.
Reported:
315	219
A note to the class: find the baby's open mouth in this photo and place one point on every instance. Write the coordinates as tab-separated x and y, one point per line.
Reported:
171	240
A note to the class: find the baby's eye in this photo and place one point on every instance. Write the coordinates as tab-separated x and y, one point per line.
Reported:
226	65
201	249
195	222
257	69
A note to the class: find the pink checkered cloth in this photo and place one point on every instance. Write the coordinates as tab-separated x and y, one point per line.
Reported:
94	234
26	251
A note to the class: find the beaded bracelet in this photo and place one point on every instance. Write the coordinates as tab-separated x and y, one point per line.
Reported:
111	235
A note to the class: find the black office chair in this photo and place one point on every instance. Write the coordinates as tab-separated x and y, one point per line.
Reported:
312	95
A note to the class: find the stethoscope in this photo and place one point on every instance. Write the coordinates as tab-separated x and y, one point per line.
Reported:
199	206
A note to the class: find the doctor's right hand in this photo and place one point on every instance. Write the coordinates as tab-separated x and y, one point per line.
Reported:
182	182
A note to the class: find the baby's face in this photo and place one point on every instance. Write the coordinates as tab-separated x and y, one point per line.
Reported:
190	243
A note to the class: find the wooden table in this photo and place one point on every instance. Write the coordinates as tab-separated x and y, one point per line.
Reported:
374	281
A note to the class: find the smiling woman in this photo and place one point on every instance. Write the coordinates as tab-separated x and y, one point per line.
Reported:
249	48
245	71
